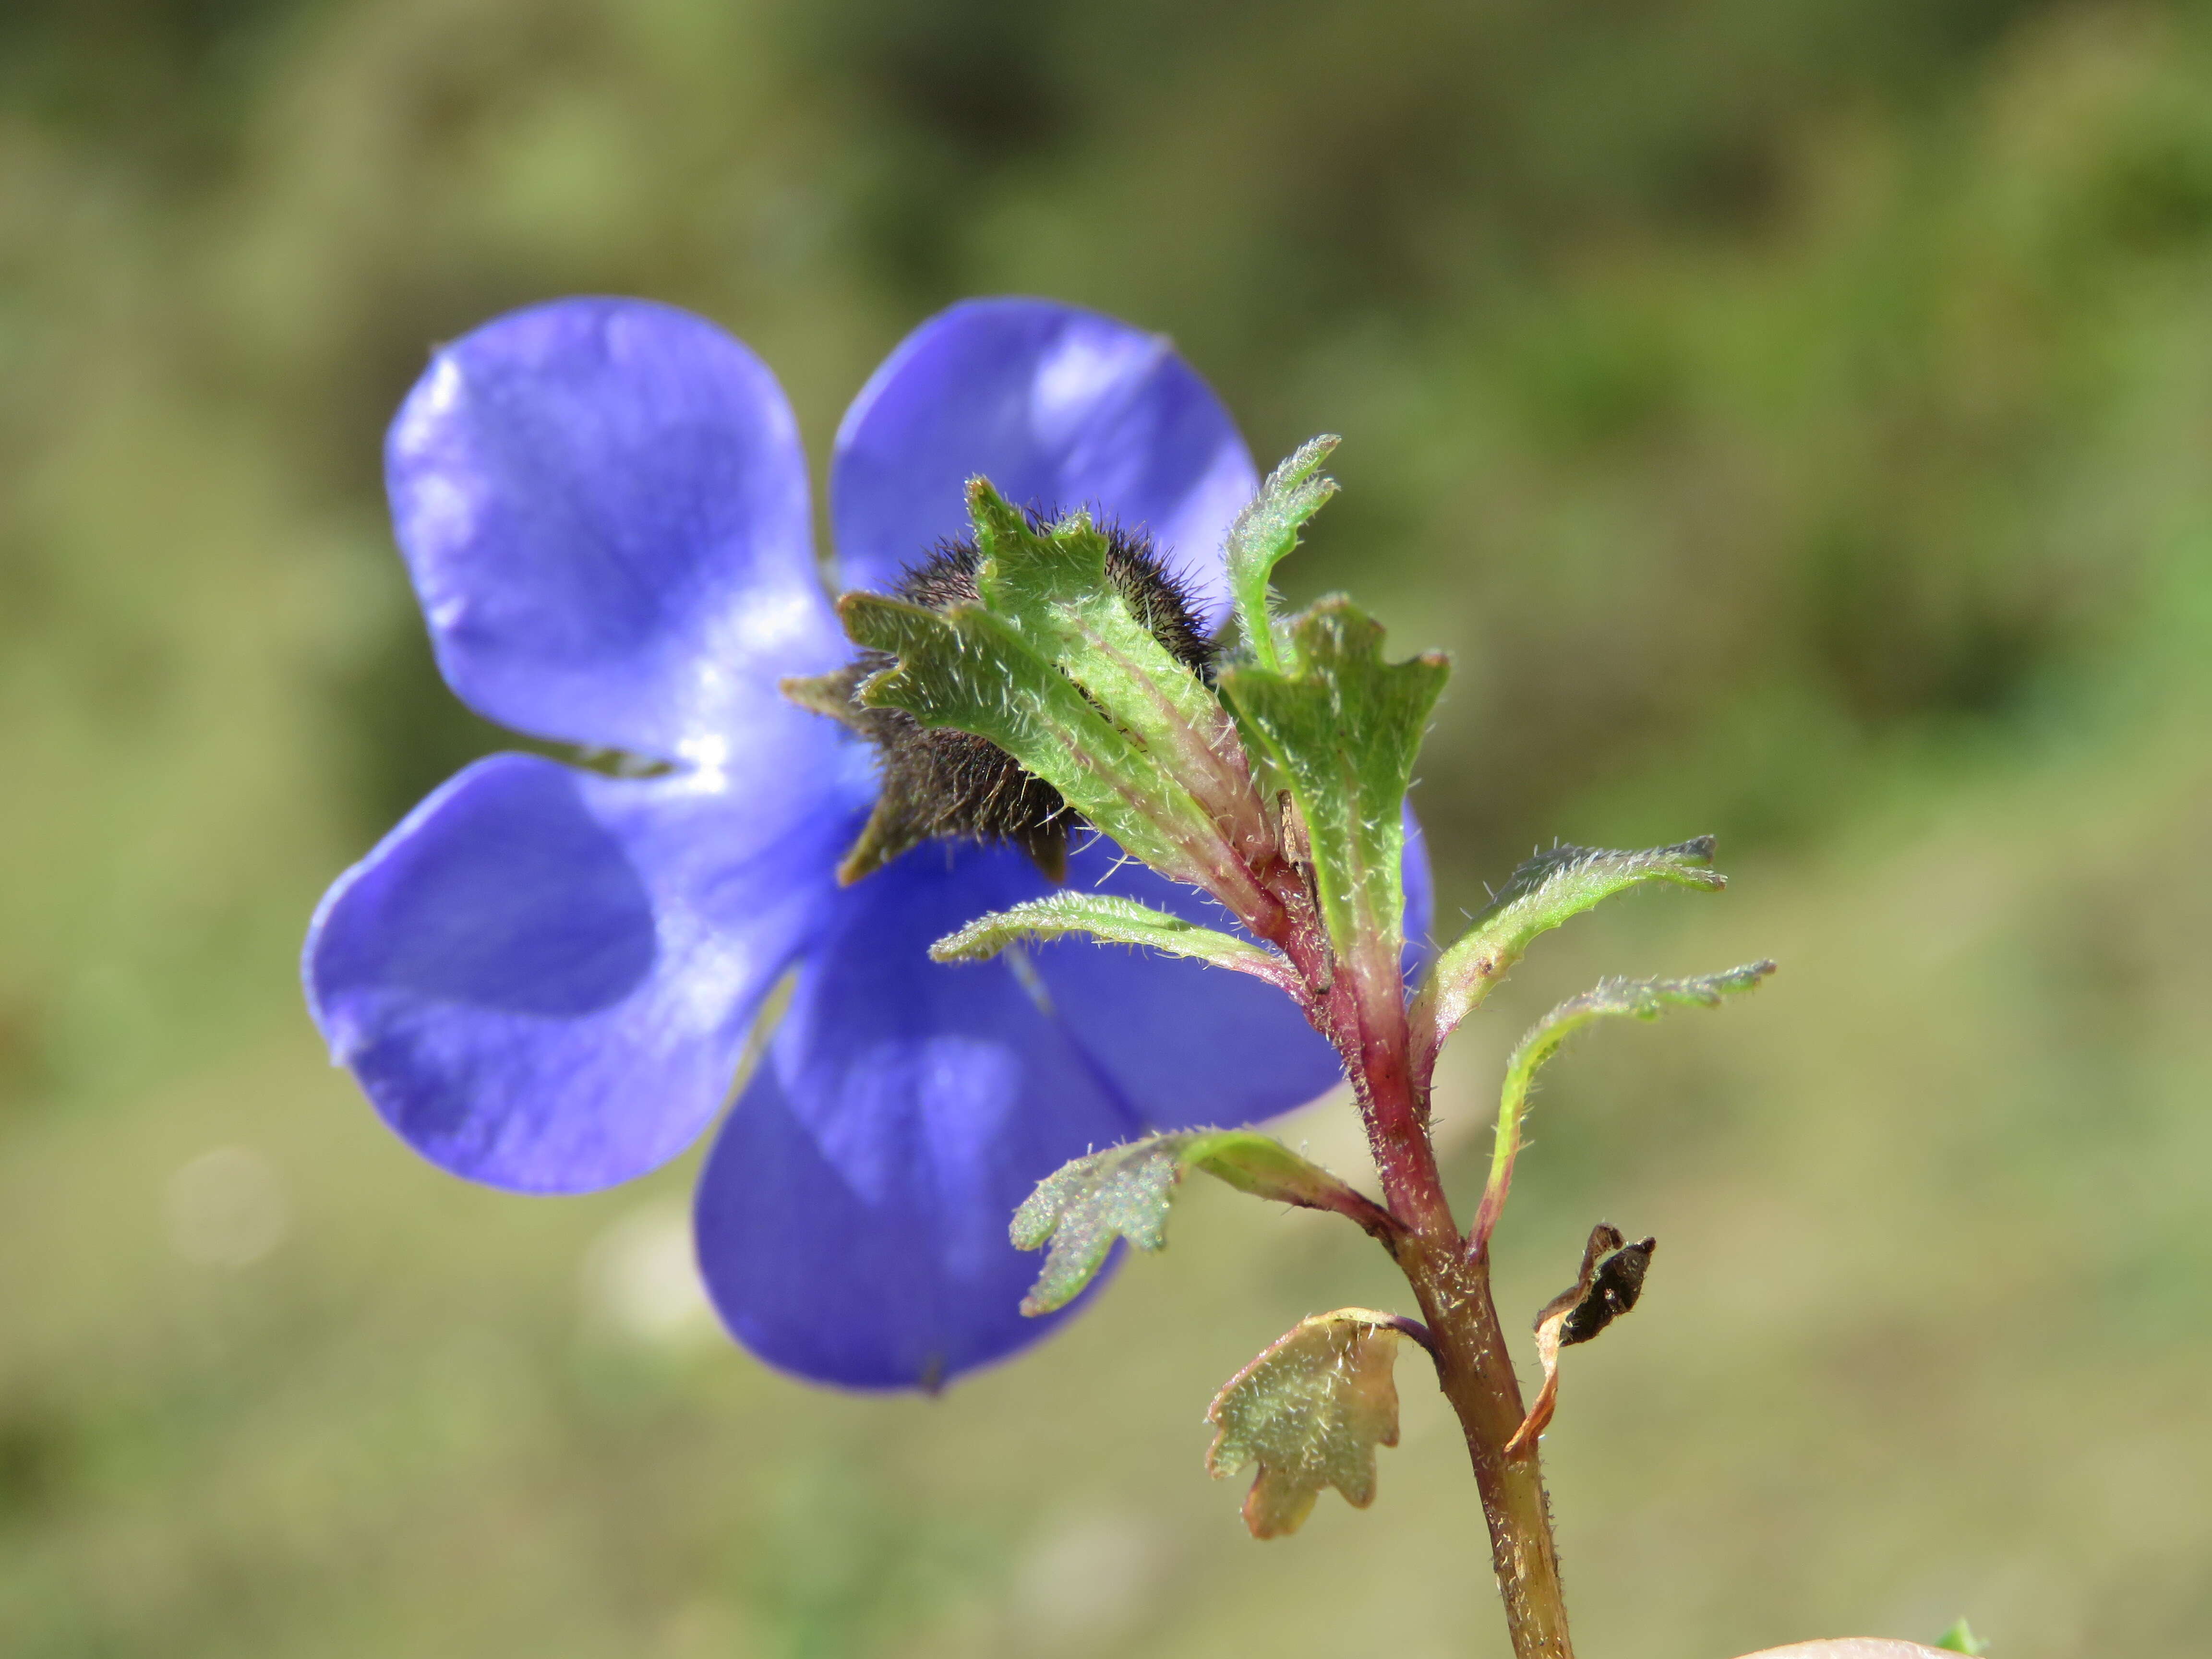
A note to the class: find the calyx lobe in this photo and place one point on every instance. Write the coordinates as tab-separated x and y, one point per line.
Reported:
942	783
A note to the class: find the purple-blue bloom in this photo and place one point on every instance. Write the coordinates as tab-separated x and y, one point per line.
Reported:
544	976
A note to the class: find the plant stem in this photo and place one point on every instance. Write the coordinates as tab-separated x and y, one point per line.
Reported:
1363	1014
1452	1283
1476	1374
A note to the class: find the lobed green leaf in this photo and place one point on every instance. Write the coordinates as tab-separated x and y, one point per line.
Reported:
1125	1192
1310	1410
1342	734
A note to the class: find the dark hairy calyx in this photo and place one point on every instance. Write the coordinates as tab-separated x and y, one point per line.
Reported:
940	784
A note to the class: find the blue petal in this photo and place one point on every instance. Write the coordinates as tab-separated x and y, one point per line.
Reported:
1185	1044
544	977
1420	894
853	1215
602	504
1059	408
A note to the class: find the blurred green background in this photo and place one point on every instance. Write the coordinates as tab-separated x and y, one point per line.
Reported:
1793	415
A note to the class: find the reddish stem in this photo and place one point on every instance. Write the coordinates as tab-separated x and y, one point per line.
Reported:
1364	1015
1359	1004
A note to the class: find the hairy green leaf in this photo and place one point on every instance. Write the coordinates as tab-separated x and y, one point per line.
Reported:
1124	1191
1636	999
1547	890
1639	999
1265	531
1310	1411
1112	920
1342	734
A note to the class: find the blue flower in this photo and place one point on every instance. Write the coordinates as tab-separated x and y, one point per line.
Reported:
545	977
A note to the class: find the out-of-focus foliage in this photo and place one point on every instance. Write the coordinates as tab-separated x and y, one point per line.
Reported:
1795	417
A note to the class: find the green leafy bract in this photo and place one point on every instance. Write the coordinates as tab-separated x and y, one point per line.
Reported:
1265	531
1547	890
1342	734
1124	1191
1112	920
1310	1411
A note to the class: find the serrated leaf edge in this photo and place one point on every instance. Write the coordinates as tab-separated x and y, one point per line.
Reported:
1263	534
1544	892
1639	999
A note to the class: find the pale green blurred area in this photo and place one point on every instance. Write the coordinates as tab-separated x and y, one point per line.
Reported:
1795	415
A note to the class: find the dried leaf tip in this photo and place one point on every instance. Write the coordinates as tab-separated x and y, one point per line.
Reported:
1607	1286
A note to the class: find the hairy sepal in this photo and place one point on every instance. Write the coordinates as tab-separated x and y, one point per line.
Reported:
1052	586
1310	1410
1126	1191
972	669
1111	921
1340	734
1263	534
1547	890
